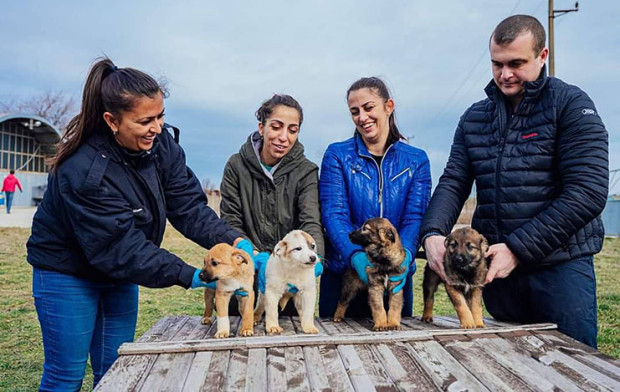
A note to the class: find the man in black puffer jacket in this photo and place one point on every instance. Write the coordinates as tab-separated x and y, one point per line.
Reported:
538	152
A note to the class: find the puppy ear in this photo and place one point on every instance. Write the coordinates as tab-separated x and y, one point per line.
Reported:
484	245
241	257
445	242
389	233
280	248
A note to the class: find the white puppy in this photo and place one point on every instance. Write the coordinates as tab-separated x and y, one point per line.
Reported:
292	262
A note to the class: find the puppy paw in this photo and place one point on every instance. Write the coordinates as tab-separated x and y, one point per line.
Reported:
310	329
468	325
222	334
274	329
257	320
393	327
206	321
427	319
480	325
338	319
379	327
247	332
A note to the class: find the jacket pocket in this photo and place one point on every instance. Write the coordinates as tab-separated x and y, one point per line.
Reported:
141	216
406	171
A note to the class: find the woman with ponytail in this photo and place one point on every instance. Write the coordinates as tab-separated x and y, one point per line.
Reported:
373	174
118	175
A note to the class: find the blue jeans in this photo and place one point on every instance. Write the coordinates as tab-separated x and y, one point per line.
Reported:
9	200
564	294
78	317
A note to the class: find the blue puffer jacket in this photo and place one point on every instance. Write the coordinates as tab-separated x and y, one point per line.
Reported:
104	214
541	175
353	188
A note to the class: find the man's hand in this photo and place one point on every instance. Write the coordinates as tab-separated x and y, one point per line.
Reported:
435	250
503	261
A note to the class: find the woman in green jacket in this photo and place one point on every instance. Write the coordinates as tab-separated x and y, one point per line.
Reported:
270	188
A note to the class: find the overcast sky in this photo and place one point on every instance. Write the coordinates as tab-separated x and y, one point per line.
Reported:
222	59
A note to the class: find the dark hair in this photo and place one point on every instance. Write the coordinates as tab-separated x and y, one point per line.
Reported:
12	171
513	26
266	108
377	86
107	89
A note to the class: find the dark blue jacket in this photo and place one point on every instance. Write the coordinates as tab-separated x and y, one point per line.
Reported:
541	175
104	214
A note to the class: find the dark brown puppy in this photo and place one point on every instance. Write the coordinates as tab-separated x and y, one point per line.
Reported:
466	270
384	249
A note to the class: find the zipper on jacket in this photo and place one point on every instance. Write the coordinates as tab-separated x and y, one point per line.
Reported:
380	169
401	173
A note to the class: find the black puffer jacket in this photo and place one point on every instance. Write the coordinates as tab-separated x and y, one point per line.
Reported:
104	214
265	206
541	176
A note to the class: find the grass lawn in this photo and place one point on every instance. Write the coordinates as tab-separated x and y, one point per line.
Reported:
21	351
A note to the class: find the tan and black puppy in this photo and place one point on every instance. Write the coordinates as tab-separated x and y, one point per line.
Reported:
385	251
233	269
466	268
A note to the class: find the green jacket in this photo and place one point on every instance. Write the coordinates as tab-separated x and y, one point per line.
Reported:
264	206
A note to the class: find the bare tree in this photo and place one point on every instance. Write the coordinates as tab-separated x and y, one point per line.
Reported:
208	186
56	107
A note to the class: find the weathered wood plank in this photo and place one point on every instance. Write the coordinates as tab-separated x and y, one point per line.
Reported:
256	379
237	370
126	373
216	374
377	374
276	370
296	377
306	340
583	353
483	366
316	371
578	372
444	370
198	371
334	367
521	362
355	368
402	367
169	371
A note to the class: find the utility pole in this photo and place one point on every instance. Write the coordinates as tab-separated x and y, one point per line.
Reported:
552	16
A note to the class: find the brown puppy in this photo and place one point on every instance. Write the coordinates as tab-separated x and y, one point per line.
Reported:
385	251
466	269
233	269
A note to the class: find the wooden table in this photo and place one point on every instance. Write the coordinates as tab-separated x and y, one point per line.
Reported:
178	354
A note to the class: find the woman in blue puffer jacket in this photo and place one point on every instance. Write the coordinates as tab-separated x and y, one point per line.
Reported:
373	174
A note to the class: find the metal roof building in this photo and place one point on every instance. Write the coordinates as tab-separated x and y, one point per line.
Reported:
25	142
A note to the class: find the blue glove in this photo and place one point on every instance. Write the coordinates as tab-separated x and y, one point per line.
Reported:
403	277
260	264
197	283
246	245
359	261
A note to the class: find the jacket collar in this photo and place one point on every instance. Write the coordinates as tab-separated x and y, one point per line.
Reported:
250	153
104	141
531	90
361	148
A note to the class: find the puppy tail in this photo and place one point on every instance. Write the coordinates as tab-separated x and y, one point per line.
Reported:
284	300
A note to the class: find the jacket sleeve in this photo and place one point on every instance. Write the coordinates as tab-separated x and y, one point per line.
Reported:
452	190
18	185
309	211
103	224
186	203
335	211
583	170
231	209
416	203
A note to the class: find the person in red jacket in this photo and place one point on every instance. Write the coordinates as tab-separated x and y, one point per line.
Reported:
8	187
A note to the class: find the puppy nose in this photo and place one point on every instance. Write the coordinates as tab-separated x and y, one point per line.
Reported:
313	258
202	276
459	259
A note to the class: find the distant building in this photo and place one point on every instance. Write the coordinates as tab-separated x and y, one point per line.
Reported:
25	142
